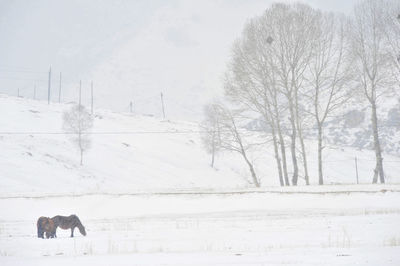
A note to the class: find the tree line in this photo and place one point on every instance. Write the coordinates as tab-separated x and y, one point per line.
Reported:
295	66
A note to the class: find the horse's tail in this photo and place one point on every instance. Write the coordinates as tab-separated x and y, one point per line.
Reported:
56	220
39	230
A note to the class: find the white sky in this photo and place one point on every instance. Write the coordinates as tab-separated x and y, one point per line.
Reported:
132	50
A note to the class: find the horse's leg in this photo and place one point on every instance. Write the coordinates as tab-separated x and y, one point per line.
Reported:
72	231
40	230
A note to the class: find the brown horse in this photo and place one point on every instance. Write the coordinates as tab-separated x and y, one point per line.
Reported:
68	222
46	225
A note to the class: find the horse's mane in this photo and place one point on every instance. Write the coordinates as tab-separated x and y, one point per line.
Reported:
73	216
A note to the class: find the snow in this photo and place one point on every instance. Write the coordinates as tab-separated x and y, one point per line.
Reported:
240	229
142	158
152	199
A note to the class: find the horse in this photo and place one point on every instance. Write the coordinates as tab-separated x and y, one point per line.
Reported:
46	225
68	222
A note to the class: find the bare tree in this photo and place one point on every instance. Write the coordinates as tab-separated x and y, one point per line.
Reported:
210	127
373	65
248	83
329	74
291	27
301	119
390	25
267	75
78	122
232	137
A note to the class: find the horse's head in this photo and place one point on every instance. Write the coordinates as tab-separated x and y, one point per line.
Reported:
82	230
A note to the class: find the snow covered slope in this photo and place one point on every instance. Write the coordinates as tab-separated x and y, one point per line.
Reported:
137	193
132	155
49	163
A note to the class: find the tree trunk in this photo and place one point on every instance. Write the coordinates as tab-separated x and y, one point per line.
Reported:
320	175
212	159
272	123
243	152
377	147
80	146
213	150
293	144
253	173
283	149
299	129
304	155
278	160
284	163
375	178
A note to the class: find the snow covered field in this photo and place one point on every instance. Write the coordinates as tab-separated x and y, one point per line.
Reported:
152	199
239	229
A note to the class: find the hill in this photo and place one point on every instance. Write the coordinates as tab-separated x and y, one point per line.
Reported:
135	153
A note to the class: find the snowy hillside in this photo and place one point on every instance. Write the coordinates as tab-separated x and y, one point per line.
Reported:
351	126
132	153
146	194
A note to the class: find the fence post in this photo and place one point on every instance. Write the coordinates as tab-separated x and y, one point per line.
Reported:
49	87
59	91
91	89
162	103
80	94
355	161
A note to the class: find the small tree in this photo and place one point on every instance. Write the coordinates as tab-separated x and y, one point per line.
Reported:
78	122
329	74
373	65
232	138
211	131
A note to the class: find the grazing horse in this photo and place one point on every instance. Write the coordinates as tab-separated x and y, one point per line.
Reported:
46	225
69	222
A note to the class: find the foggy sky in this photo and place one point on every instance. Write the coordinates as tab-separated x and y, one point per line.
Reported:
132	50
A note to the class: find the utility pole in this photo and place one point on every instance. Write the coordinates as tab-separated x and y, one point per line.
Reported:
91	90
131	107
355	161
59	91
34	91
49	87
162	104
18	93
80	94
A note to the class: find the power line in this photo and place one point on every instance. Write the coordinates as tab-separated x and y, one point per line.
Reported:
23	71
150	132
99	132
26	79
17	68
